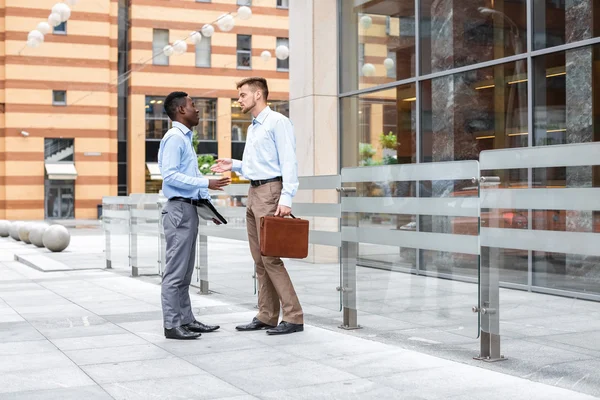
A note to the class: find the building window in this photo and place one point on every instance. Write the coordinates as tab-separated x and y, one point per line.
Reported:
283	65
157	121
203	53
60	29
203	1
160	38
244	51
361	57
244	3
59	150
283	3
59	98
207	128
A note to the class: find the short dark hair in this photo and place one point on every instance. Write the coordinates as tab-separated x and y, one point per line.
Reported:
255	82
174	100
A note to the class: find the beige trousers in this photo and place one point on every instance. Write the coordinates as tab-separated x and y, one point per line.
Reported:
274	283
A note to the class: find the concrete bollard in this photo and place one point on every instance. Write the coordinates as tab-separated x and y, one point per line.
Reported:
4	228
36	235
56	238
14	230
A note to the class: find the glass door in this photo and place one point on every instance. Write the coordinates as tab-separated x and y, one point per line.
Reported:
60	199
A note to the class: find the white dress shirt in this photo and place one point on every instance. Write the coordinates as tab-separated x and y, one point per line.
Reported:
270	152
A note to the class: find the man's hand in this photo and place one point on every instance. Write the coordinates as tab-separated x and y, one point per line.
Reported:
283	211
222	165
218	184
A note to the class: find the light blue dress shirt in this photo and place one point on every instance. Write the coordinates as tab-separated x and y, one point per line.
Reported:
178	165
271	152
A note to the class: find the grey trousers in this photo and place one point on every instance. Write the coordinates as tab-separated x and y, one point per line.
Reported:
180	221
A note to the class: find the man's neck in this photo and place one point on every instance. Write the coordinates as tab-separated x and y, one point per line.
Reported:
185	124
258	109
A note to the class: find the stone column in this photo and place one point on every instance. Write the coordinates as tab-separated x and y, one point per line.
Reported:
314	102
579	115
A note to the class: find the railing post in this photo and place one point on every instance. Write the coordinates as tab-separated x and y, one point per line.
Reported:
133	243
349	256
162	244
202	259
107	252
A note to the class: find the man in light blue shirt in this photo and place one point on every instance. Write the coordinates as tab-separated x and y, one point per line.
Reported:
183	185
269	161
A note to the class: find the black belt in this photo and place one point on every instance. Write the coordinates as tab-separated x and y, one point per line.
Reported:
194	202
262	182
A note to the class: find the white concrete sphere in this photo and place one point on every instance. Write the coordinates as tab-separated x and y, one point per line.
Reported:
388	63
44	27
4	228
54	19
368	69
208	30
265	55
282	52
244	12
366	21
34	44
180	47
36	234
56	238
24	230
195	37
14	230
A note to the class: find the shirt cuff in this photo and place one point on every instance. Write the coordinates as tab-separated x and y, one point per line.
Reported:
237	165
285	200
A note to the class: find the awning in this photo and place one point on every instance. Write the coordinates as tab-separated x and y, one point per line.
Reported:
64	171
155	174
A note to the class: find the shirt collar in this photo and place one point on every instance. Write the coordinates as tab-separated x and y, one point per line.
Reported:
182	127
260	118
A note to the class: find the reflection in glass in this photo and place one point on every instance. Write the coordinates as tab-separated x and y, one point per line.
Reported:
456	33
566	272
466	113
560	22
377	42
379	128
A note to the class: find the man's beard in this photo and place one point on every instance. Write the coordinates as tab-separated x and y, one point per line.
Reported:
248	109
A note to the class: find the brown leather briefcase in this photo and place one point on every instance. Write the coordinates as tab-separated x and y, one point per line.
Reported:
284	237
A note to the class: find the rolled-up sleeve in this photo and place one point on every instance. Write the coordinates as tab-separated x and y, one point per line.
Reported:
285	142
169	163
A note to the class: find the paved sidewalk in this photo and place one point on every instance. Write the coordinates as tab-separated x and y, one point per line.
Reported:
98	335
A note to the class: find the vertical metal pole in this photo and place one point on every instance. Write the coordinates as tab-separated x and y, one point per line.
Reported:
531	127
202	259
162	245
348	264
133	244
107	250
418	136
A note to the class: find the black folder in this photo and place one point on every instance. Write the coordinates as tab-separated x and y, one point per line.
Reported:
208	212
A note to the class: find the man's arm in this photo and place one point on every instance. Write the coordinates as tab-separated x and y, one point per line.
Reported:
285	143
173	148
236	166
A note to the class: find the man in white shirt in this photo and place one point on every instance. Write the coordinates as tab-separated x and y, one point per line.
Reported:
269	161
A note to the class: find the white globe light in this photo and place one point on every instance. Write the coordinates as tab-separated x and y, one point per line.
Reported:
265	55
226	22
35	36
54	19
180	47
195	37
368	69
244	12
44	27
56	238
208	30
282	52
71	2
366	21
388	63
63	10
168	50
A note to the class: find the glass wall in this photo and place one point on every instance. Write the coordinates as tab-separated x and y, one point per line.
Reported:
465	78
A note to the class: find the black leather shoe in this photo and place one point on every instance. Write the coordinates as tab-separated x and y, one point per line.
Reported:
180	333
255	325
200	327
285	327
